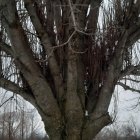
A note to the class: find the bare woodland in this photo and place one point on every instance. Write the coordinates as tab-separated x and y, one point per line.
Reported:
66	56
18	124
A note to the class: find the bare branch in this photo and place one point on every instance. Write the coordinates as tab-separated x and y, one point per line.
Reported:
30	70
126	87
94	12
65	43
130	79
134	33
76	22
93	127
58	46
11	86
6	48
7	101
111	79
46	42
130	70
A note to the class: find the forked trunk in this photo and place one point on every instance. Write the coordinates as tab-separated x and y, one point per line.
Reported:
67	63
88	130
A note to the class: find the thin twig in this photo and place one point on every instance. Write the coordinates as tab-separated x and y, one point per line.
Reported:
7	100
57	46
65	43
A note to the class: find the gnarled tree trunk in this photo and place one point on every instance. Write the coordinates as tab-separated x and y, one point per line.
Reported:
66	61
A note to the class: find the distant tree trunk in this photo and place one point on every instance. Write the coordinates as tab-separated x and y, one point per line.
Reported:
65	60
22	124
10	126
3	124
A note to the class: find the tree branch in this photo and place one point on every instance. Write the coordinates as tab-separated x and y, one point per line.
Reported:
126	87
111	79
6	48
94	12
93	127
11	86
134	33
130	70
45	39
30	70
130	79
6	101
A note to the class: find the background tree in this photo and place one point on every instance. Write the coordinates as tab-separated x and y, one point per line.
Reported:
66	56
125	131
18	122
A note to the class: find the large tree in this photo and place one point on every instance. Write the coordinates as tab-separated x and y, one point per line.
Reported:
66	56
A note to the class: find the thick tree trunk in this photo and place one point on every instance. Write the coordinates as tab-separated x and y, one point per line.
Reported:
67	65
87	132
